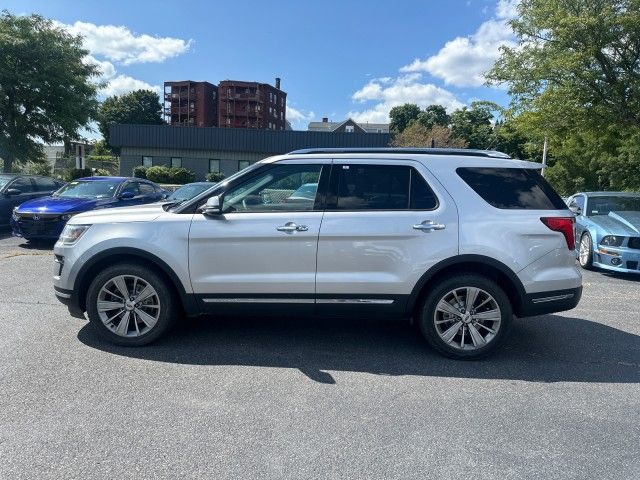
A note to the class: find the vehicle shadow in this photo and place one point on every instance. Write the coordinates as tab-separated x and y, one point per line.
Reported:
550	348
37	244
631	277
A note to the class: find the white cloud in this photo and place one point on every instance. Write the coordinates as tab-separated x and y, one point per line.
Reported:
124	84
391	92
299	118
463	61
119	44
106	68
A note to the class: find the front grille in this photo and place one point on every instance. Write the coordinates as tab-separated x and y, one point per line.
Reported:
634	242
44	226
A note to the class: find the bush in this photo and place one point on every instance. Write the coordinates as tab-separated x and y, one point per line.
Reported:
140	171
159	174
101	172
74	173
214	177
181	175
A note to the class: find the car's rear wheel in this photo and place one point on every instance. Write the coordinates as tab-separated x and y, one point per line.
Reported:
466	316
585	252
130	304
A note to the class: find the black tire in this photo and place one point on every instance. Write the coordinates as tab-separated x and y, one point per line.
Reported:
165	296
588	263
427	317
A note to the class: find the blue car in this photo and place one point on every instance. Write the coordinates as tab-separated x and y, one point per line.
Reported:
607	230
44	218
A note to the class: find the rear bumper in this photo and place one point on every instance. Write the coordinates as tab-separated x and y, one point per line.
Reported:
542	303
67	297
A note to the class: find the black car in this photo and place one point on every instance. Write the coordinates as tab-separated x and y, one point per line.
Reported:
16	189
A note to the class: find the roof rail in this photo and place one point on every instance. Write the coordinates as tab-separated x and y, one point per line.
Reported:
467	152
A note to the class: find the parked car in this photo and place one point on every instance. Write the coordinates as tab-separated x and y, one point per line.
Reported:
459	240
188	191
44	218
607	230
16	189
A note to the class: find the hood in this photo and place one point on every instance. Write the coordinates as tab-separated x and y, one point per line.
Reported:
620	223
62	204
141	213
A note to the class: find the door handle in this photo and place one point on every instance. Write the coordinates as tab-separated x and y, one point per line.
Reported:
429	225
291	227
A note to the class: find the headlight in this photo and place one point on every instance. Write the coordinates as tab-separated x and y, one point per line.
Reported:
612	241
66	216
15	214
72	233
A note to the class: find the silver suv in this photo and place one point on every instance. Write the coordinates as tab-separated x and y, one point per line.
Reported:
459	241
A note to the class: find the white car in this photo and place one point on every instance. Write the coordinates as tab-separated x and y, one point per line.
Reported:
457	240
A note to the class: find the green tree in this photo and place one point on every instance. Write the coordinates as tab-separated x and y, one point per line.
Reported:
574	77
434	115
46	90
141	107
402	116
473	124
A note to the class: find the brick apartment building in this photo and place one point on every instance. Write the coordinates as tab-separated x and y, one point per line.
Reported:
192	104
251	105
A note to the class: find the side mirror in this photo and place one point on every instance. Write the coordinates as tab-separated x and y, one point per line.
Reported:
127	195
575	209
212	207
12	192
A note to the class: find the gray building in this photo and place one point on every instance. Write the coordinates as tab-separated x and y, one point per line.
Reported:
226	150
347	126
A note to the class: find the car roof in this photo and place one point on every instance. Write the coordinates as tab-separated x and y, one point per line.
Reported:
111	179
608	194
465	152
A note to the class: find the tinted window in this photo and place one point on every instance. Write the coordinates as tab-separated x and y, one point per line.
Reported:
44	184
274	190
373	187
23	184
422	197
4	179
147	189
603	205
512	188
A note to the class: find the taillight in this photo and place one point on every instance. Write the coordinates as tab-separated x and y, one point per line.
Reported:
564	225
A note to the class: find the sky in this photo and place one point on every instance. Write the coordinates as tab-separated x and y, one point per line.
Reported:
336	58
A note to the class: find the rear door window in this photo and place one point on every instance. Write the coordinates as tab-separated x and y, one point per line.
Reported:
382	187
44	184
512	188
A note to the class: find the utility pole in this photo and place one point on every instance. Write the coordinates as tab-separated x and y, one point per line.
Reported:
544	155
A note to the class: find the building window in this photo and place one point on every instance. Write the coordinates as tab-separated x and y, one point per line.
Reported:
349	129
214	165
242	164
176	162
147	161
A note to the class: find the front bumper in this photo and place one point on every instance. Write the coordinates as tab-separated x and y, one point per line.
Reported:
542	303
617	259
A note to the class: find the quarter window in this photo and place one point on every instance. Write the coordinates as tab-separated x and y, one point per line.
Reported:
281	188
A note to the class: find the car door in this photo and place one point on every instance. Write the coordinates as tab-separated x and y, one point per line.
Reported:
26	189
262	247
384	226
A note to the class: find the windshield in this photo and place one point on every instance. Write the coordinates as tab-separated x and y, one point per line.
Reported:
604	205
189	191
4	179
88	189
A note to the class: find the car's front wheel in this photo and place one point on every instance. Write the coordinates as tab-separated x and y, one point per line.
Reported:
130	304
466	316
585	252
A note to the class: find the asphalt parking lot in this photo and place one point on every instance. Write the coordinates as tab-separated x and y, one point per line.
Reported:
300	399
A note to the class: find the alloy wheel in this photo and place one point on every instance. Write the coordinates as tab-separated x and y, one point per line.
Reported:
467	318
585	250
128	306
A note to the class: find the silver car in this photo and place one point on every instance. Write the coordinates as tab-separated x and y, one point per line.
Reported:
459	241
